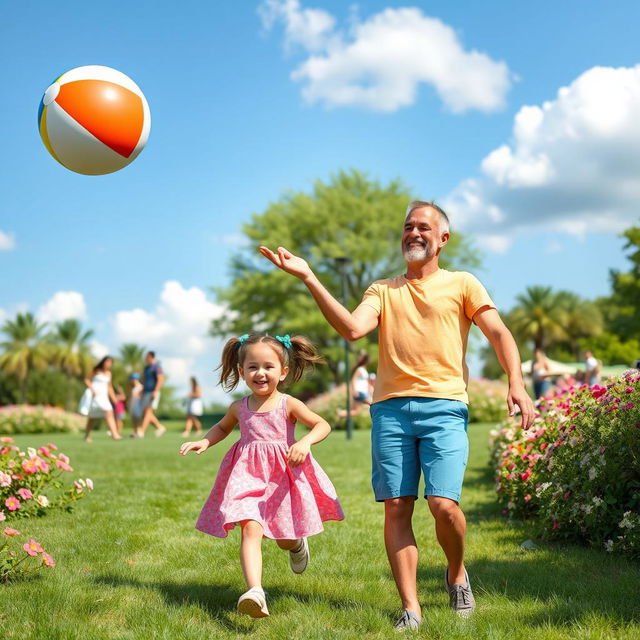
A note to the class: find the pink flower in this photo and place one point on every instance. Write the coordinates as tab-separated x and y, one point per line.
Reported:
629	405
42	465
556	525
63	458
5	450
29	466
32	547
6	440
5	479
63	465
90	484
47	560
567	495
527	498
10	533
629	390
525	476
78	486
12	503
44	451
25	494
52	446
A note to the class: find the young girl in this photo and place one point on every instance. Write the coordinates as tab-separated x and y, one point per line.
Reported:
120	408
267	483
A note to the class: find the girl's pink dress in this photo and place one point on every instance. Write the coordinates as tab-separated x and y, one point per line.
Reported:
255	482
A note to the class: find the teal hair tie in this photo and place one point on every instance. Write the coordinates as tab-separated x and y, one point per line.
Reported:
286	340
243	337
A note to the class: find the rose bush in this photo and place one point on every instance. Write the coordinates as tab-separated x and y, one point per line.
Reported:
30	481
27	558
26	418
577	469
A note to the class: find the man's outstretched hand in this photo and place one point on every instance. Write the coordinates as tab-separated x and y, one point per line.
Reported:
518	396
286	261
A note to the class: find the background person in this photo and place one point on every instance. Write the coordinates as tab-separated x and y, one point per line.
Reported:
96	401
593	368
135	402
194	409
152	381
540	371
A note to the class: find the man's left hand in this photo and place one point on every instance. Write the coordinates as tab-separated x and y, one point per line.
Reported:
518	396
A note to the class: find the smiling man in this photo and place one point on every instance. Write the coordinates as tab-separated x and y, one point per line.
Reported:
419	410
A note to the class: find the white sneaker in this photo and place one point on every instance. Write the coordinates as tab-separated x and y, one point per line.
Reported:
298	560
253	603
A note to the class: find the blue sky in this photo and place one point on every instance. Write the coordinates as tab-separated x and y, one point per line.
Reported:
238	117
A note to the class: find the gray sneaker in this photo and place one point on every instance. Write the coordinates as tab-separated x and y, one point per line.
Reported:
408	621
461	598
298	560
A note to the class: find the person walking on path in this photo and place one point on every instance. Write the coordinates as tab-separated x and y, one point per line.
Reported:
152	381
268	483
99	399
419	411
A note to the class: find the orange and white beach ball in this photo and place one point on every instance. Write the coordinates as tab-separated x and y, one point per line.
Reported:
94	120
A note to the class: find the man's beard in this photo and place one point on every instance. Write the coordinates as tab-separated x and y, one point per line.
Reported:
418	254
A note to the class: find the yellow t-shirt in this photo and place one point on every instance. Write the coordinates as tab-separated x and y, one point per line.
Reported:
423	330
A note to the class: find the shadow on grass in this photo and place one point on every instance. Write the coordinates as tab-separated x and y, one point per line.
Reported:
218	600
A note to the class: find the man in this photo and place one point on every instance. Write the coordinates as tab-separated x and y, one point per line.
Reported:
419	409
152	380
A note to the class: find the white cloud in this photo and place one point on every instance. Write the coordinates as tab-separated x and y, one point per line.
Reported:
572	164
98	350
177	330
62	306
7	241
381	62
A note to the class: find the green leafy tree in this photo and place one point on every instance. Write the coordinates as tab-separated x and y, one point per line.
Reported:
350	216
624	304
71	352
25	350
131	356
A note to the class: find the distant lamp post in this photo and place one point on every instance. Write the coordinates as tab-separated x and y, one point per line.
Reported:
342	263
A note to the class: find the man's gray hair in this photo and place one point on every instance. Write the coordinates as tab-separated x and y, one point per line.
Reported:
419	204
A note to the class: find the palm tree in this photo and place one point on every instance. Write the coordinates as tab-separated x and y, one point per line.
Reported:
25	350
132	357
538	317
581	319
72	352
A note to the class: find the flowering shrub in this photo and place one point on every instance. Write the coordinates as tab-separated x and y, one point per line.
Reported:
577	470
487	400
30	481
16	563
24	418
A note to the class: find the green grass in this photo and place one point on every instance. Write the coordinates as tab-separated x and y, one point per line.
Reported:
131	565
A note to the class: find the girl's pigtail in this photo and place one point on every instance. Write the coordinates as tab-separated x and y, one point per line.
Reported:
230	376
303	356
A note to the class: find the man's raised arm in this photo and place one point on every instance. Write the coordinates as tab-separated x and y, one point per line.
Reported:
350	326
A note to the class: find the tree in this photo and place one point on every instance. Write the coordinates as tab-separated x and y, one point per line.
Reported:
537	317
624	304
350	216
72	352
132	357
25	350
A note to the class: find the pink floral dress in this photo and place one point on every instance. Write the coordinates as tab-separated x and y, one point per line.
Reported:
255	482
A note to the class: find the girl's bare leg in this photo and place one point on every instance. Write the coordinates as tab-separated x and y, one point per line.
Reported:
87	432
251	552
111	423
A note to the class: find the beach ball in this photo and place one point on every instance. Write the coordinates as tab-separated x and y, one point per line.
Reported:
94	120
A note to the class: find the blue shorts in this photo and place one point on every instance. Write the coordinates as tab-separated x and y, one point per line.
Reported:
413	434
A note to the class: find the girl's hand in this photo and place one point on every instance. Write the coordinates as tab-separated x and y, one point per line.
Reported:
198	446
298	453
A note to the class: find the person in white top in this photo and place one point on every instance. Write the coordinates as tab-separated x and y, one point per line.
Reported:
194	409
96	401
592	374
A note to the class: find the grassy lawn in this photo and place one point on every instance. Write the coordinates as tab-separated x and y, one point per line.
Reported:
131	565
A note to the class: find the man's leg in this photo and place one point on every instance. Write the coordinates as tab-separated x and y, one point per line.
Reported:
402	549
451	528
147	415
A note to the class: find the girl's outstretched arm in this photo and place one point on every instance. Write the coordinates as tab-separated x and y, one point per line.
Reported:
319	430
218	432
